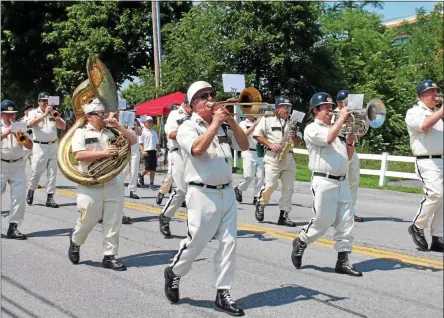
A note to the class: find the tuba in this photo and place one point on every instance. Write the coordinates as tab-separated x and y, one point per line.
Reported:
99	84
373	115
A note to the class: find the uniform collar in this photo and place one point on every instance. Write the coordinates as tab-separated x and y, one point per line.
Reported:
423	106
39	110
321	123
247	121
182	110
2	123
91	128
199	119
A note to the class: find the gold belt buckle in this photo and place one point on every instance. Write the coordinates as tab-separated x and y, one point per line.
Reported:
220	186
341	178
11	161
50	142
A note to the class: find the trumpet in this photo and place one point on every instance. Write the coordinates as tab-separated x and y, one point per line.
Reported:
22	139
249	100
359	121
54	113
439	100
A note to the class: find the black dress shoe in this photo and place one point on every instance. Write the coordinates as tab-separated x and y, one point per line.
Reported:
159	198
254	200
164	225
133	195
171	285
73	252
100	221
260	211
285	220
14	233
50	201
297	253
109	261
225	303
343	266
126	220
358	218
437	244
140	181
184	204
418	237
238	194
30	197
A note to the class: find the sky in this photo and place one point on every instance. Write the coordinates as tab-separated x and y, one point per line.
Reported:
392	10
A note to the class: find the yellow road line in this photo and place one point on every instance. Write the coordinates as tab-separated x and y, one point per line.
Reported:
281	234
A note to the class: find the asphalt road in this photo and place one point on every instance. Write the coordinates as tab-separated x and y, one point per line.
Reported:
38	280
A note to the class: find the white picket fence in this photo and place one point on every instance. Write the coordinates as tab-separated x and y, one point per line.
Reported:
382	173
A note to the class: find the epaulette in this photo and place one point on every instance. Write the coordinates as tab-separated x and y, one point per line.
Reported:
81	127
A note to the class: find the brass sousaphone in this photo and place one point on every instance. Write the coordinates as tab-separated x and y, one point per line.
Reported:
99	84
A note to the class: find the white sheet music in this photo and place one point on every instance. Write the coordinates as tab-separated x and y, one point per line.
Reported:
127	118
19	126
355	101
297	116
53	100
122	104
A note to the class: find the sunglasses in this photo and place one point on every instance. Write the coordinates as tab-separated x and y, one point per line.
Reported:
100	114
207	95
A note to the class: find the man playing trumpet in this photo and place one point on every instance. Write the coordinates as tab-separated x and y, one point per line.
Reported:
13	168
271	132
105	201
44	122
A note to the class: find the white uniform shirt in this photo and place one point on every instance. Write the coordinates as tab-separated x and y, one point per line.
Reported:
272	128
135	149
246	124
46	129
333	158
424	142
11	149
175	119
214	166
149	139
89	139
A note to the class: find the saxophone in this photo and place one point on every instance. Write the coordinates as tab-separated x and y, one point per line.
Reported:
287	142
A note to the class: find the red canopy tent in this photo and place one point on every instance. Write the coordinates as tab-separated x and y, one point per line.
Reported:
159	106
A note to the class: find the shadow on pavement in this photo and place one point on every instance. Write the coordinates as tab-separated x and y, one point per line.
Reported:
152	258
68	204
370	219
388	264
56	232
286	227
145	219
67	187
255	235
284	295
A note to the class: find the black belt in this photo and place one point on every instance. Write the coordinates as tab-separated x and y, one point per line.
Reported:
12	160
252	149
174	149
218	187
45	142
329	176
429	157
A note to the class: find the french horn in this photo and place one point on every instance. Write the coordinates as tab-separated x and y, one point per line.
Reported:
99	84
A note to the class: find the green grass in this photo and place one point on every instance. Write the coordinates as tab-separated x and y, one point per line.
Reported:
366	181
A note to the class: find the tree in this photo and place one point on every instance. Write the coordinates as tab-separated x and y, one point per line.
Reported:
25	69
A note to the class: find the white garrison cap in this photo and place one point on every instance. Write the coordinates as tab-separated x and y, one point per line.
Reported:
94	106
195	87
148	118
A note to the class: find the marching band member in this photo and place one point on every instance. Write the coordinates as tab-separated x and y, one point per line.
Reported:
353	174
328	161
133	165
13	169
210	197
425	126
44	133
252	166
27	152
167	183
175	119
106	200
270	132
149	145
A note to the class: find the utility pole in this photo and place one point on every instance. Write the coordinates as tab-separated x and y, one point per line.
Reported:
155	43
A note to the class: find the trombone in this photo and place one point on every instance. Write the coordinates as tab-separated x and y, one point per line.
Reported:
249	100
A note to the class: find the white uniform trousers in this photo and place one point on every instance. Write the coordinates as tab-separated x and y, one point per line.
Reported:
332	207
44	158
105	202
28	157
14	174
211	213
177	195
132	171
275	171
168	180
430	173
353	177
253	170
